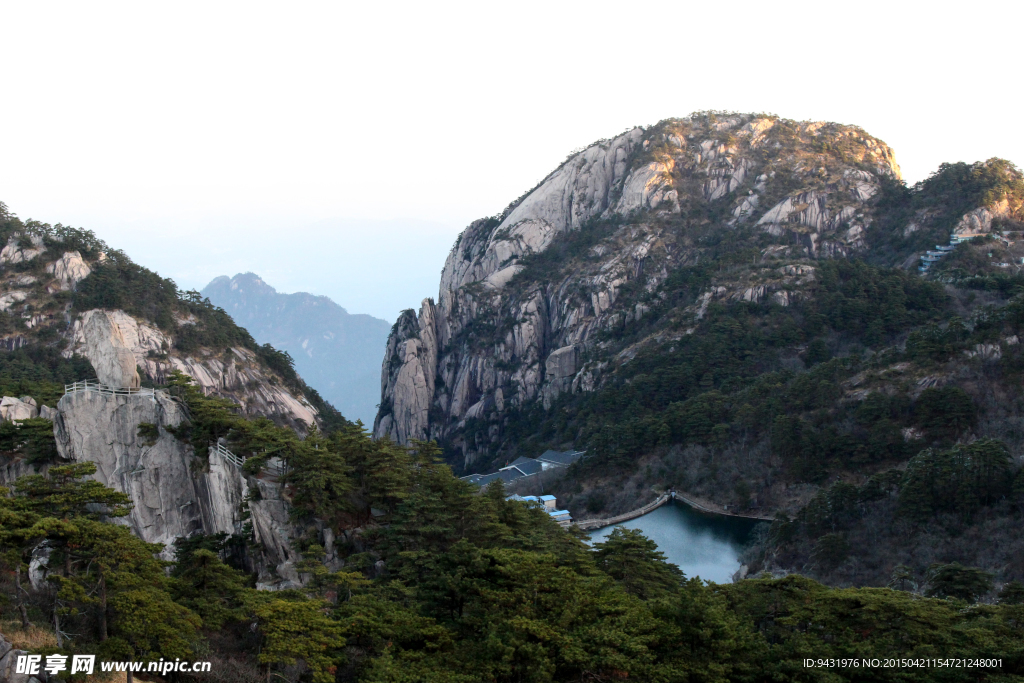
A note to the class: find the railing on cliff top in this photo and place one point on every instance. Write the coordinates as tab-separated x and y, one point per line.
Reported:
94	385
269	468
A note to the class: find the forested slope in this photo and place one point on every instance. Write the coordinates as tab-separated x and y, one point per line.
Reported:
444	584
731	305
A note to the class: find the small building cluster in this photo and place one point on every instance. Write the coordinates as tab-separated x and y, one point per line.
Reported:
524	467
550	506
941	250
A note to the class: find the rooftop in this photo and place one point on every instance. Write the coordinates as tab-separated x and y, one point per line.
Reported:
563	458
528	467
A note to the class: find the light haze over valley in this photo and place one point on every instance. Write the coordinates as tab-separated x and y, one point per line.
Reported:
516	342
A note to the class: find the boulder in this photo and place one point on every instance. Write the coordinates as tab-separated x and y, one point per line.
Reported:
107	350
18	409
8	665
561	363
8	299
15	252
69	270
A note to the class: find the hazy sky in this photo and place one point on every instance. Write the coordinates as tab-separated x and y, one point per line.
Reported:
339	147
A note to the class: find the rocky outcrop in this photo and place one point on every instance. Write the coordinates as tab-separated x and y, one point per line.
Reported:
9	665
24	408
8	299
170	501
108	350
979	220
20	248
117	343
501	335
174	494
69	270
412	351
594	182
273	530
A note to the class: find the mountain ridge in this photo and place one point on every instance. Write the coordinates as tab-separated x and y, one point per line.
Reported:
337	352
718	305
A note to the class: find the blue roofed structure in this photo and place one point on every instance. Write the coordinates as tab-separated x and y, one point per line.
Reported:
563	517
552	458
506	477
527	466
523	467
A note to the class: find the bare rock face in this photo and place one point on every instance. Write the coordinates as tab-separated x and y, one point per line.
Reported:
979	220
69	270
170	500
412	350
174	494
237	376
273	530
108	351
17	252
497	340
579	189
23	408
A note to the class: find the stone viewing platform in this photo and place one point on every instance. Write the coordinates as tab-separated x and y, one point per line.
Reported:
94	385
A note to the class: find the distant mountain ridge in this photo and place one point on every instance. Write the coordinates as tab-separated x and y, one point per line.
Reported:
338	353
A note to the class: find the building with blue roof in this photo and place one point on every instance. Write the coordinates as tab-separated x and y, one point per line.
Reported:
550	505
523	467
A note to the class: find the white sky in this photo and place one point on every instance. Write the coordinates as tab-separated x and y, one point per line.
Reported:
339	148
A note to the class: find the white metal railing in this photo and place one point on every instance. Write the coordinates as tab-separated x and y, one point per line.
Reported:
227	455
270	468
94	385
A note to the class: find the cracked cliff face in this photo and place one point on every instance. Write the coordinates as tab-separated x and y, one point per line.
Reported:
173	494
498	339
117	343
50	279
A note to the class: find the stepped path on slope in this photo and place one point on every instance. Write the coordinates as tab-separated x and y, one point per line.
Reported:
93	385
275	470
664	498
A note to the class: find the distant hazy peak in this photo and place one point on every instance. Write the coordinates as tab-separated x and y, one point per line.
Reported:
251	284
337	353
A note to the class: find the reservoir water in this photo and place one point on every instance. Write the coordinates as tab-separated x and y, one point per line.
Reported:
701	544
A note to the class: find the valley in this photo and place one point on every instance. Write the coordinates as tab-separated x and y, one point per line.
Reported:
728	307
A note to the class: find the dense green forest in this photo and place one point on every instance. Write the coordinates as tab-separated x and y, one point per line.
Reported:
869	383
451	585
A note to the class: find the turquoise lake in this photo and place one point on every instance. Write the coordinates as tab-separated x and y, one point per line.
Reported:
701	544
